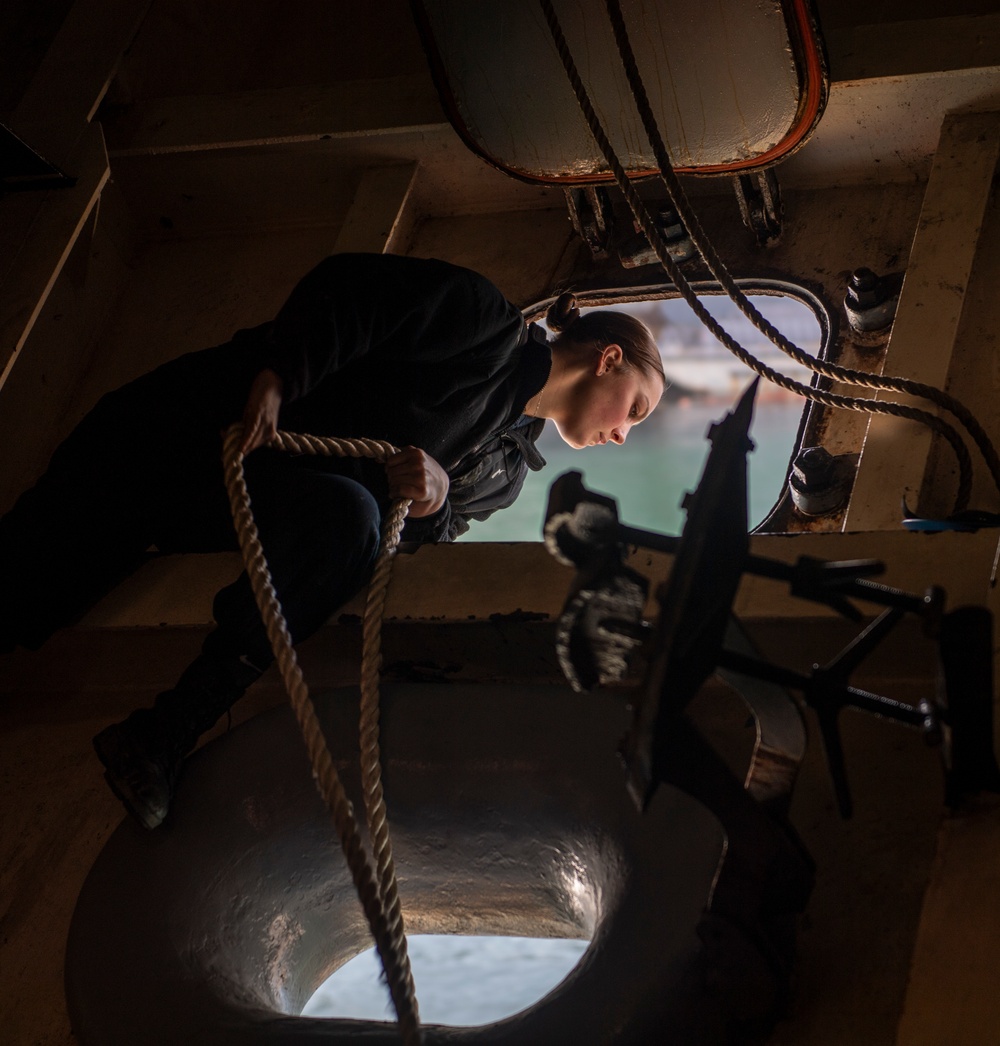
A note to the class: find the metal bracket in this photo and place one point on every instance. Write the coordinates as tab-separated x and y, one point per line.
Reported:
592	216
759	197
637	251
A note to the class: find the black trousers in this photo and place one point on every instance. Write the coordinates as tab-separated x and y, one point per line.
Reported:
143	469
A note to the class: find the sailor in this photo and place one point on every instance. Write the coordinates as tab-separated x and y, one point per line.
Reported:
425	355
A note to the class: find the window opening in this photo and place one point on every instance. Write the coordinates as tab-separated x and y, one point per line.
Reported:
462	981
662	458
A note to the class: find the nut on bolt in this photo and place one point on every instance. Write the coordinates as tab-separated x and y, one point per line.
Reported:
817	482
871	300
863	288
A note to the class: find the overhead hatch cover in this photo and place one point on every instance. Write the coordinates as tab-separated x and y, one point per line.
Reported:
734	86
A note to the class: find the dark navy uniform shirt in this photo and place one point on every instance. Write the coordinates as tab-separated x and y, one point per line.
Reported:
412	351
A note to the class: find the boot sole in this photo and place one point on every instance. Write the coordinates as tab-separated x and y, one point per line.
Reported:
147	818
116	750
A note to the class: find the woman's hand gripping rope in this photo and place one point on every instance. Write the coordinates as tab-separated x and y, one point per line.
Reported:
414	474
260	416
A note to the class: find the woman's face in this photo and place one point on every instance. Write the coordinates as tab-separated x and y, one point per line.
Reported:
607	400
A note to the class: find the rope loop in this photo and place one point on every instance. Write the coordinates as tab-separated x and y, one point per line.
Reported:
377	889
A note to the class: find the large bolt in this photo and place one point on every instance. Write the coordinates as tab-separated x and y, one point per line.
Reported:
813	469
870	301
817	483
864	288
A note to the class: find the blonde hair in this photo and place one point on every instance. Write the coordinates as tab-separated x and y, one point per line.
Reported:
605	327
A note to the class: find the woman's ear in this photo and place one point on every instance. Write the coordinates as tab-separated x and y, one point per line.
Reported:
611	357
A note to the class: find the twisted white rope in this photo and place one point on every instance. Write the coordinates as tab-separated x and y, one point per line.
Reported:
377	890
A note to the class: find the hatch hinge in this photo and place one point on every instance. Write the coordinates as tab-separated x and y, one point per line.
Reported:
759	197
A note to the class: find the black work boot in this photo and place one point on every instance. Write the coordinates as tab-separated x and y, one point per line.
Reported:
138	766
142	755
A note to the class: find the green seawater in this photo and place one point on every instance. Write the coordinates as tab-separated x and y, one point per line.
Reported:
649	475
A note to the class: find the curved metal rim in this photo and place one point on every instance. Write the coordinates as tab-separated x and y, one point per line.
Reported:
808	52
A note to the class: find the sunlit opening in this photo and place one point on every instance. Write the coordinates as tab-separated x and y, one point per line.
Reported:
460	981
664	456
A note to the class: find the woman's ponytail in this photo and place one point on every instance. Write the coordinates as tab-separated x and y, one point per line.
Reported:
563	313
